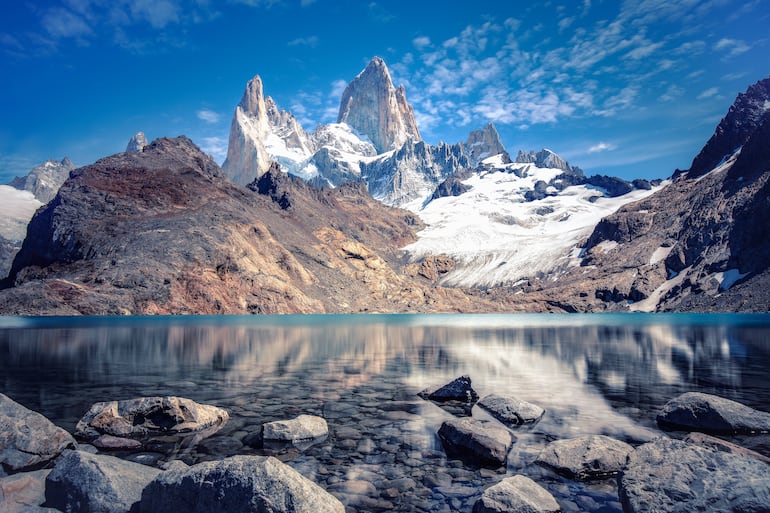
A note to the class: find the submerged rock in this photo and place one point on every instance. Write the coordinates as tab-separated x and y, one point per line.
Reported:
303	427
510	410
148	415
476	441
27	439
586	457
671	476
696	411
93	483
517	494
459	389
248	484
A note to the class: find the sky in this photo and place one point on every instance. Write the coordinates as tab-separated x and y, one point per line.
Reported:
626	88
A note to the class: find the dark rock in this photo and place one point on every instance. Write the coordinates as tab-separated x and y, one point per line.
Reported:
586	457
27	439
452	186
476	441
93	483
485	143
671	476
613	185
22	491
241	483
303	427
510	410
695	411
517	494
148	415
457	390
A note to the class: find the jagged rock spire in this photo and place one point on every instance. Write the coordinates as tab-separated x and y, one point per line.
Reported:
137	143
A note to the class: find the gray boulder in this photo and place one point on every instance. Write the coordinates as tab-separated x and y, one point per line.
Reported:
586	457
459	389
476	441
517	494
671	476
148	415
695	411
27	439
717	444
247	484
303	427
92	483
510	410
22	491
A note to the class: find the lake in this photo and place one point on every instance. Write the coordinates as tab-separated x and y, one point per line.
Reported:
594	374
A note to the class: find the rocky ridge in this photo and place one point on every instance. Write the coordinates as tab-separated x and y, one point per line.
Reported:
44	180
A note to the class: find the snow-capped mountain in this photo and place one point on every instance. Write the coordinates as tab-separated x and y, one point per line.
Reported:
136	143
43	181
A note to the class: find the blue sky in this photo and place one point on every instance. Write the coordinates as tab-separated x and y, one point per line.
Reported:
628	88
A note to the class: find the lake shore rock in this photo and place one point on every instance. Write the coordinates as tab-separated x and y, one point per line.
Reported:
94	483
148	415
510	410
23	491
476	441
303	427
459	389
696	411
246	484
586	457
27	439
672	476
718	444
517	494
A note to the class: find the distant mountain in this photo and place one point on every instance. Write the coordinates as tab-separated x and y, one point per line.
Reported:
44	180
136	143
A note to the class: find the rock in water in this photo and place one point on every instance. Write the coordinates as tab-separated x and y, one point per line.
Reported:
671	476
27	439
717	444
695	411
304	427
510	410
137	143
148	415
459	389
476	441
248	484
93	483
517	494
586	457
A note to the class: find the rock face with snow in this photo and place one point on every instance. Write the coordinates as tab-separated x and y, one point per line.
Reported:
371	105
136	143
485	143
547	159
44	180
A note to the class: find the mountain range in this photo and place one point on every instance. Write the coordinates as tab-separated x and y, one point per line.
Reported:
363	215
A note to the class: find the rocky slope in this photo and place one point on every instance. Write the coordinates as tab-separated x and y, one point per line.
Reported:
164	231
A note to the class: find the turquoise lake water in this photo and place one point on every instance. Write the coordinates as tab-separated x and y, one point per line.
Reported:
594	374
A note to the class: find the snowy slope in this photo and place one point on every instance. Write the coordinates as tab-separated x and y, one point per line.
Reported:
16	209
496	237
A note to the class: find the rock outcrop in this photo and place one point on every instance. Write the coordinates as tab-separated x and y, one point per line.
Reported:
696	411
372	106
137	143
44	180
458	389
517	494
586	457
485	143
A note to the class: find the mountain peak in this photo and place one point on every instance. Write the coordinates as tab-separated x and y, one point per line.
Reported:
485	143
253	100
136	144
373	107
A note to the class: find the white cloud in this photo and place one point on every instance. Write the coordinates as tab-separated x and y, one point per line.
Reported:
601	147
421	42
216	147
338	87
311	41
733	47
564	23
158	13
61	23
209	116
708	93
672	93
641	52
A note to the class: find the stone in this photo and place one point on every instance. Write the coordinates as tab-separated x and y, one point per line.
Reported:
27	439
476	441
517	494
718	444
459	389
510	410
94	483
303	427
696	411
116	443
148	415
672	476
22	491
239	483
585	457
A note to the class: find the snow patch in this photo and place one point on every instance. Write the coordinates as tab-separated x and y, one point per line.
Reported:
728	278
607	245
660	254
651	303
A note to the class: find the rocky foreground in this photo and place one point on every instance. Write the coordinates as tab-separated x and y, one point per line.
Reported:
45	469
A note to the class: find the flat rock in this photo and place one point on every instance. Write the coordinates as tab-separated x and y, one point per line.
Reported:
671	476
696	411
510	410
116	443
476	441
517	494
148	415
94	483
718	444
22	491
27	439
459	389
586	457
248	484
303	427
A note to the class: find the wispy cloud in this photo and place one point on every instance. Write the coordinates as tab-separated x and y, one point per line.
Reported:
209	116
216	147
708	93
62	23
421	42
733	47
601	147
311	41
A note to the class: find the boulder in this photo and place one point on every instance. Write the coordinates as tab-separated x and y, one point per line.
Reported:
517	494
148	415
476	441
27	439
696	411
247	484
93	483
22	491
510	410
457	390
672	476
718	444
303	427
116	443
585	457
